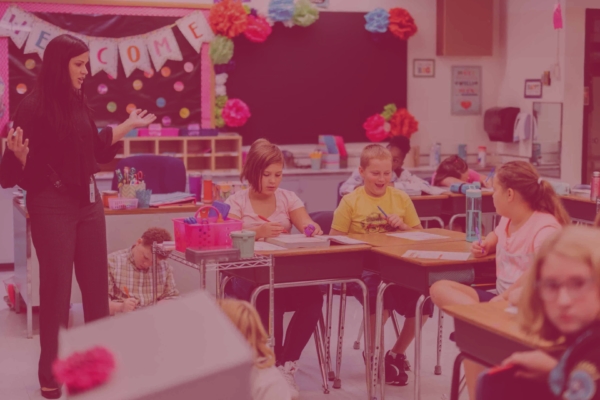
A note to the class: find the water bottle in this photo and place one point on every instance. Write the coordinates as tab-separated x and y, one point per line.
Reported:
463	187
473	214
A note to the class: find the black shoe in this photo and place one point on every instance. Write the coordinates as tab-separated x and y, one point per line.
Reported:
51	394
397	368
452	337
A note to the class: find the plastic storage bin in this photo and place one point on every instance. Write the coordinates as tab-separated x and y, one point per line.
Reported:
207	234
120	203
244	240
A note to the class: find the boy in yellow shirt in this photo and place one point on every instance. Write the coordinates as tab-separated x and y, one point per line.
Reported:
360	212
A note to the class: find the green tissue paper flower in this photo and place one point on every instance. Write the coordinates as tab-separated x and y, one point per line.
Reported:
305	13
388	111
220	101
219	122
221	50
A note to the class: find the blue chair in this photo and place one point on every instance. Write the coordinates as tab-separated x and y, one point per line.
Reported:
162	174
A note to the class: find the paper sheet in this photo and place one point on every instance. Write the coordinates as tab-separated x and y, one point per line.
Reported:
343	239
299	238
417	236
437	255
264	246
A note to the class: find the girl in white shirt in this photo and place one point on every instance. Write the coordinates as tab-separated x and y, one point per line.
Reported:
266	382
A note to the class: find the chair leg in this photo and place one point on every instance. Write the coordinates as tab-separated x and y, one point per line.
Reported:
359	338
456	380
331	373
438	367
320	356
337	383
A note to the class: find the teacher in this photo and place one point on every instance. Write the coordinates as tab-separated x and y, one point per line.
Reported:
53	154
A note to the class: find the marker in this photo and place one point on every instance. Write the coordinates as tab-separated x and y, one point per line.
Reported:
490	175
383	212
309	230
266	220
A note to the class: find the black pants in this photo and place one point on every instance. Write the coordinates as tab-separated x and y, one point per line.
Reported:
306	303
67	229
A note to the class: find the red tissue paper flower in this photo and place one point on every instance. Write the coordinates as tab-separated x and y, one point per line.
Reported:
403	123
84	370
374	127
235	113
228	18
402	23
258	29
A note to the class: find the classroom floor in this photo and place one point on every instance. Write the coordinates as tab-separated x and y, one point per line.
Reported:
19	357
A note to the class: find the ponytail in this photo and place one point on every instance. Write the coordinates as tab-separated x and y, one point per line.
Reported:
538	193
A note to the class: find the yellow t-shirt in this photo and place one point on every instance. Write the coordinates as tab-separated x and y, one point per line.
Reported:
358	212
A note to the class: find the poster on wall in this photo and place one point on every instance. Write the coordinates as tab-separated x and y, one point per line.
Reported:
466	90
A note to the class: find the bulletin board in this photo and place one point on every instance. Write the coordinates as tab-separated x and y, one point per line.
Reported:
327	78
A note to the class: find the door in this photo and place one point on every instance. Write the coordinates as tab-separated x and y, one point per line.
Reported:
591	109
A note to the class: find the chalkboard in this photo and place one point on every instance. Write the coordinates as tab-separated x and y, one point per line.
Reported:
324	79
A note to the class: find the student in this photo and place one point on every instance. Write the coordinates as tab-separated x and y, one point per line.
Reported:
561	301
282	208
266	382
358	212
531	212
456	170
130	283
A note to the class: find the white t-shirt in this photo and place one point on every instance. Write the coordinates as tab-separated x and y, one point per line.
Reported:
268	384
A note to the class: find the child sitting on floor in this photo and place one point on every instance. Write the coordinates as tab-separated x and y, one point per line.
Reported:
360	212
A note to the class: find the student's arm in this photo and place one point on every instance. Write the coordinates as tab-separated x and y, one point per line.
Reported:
411	218
449	181
301	219
266	230
334	232
487	247
354	181
342	219
532	364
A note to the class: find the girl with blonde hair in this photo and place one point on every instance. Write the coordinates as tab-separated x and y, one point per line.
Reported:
266	382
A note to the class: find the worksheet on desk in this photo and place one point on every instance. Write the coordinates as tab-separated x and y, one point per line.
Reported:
264	246
416	235
437	255
343	239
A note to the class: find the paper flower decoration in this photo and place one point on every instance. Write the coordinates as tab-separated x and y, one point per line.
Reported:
220	101
374	127
219	122
84	370
388	111
258	29
402	23
222	68
403	124
228	18
378	21
235	113
281	10
305	13
221	79
221	50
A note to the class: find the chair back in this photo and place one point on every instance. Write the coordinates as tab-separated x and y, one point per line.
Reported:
324	219
162	174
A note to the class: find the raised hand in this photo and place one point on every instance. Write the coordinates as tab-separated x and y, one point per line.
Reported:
140	118
16	144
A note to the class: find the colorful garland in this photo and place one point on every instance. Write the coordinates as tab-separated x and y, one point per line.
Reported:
391	122
398	21
229	19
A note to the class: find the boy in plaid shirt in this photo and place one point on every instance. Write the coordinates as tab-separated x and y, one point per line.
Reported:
130	282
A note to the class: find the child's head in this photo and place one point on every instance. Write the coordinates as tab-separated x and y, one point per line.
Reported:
376	169
518	183
247	320
399	146
562	294
142	251
264	167
451	167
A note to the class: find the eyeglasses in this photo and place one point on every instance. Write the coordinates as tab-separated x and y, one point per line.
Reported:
575	287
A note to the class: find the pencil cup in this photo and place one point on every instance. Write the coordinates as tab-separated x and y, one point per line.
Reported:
128	191
315	163
244	241
143	197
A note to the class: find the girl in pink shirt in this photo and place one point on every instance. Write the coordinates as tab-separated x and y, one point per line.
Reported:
531	212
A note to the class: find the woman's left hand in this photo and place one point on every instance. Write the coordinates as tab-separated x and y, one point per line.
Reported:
532	364
140	118
317	231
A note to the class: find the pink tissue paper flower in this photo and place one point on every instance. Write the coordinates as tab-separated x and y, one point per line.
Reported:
235	113
84	370
258	29
375	128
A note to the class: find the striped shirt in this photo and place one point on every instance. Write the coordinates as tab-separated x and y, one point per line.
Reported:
123	272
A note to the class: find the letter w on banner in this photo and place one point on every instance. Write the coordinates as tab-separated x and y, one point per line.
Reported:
134	55
104	56
16	24
163	46
196	30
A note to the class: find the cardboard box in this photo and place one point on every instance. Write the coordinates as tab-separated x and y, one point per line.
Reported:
178	349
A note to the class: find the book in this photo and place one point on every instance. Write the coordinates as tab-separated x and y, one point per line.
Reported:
297	241
339	142
158	200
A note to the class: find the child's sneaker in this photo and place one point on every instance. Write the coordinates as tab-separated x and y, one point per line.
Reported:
400	364
393	376
288	370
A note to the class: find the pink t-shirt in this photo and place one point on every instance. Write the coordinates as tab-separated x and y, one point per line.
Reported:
515	253
286	201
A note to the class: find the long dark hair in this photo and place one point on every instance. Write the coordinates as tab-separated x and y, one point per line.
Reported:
54	90
451	167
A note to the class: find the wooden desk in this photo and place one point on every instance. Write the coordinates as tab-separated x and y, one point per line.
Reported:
457	204
487	334
429	206
383	240
580	208
186	208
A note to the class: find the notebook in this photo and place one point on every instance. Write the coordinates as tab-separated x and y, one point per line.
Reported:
297	241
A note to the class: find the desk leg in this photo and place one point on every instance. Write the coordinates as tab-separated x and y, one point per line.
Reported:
438	367
367	336
455	388
337	384
378	350
331	374
202	275
418	329
272	302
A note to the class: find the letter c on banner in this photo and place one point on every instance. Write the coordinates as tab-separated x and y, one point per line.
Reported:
137	53
102	50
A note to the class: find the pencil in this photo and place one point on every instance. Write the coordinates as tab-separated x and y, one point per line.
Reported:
266	220
126	291
383	212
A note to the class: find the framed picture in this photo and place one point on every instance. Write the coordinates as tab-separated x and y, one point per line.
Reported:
533	88
320	3
466	90
423	68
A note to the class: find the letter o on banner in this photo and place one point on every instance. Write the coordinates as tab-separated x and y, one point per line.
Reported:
132	49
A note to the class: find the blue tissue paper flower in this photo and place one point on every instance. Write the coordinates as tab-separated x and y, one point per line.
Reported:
281	10
378	21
